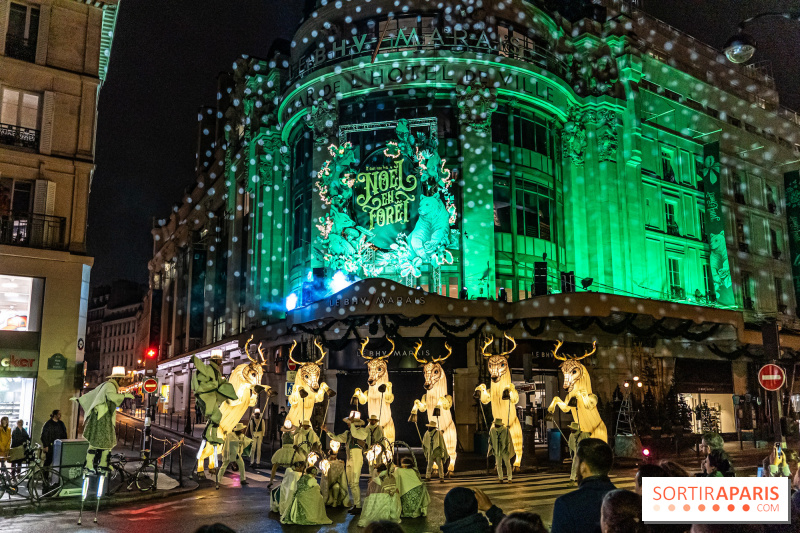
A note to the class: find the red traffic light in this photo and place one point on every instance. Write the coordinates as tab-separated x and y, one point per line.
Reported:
151	353
646	452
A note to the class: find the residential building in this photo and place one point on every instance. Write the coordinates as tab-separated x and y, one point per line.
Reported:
53	60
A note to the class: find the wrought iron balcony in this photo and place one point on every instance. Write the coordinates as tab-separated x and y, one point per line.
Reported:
32	230
19	48
19	136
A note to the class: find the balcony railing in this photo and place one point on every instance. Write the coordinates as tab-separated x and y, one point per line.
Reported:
32	230
19	136
19	48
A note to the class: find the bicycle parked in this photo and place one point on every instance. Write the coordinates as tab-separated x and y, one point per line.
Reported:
145	477
35	481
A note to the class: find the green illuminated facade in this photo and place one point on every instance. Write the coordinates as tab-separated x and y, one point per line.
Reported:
505	136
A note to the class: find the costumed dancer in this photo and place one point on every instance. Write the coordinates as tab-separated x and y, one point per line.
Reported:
334	482
257	428
575	437
306	439
100	412
211	389
502	447
280	497
354	439
286	454
306	507
435	450
414	496
235	444
375	438
383	500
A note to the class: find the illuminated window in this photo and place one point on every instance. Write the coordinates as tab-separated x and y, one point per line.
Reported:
20	108
748	291
667	168
708	280
675	283
672	223
502	209
533	214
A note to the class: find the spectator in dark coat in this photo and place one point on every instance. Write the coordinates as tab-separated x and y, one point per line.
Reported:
19	437
461	506
53	430
521	522
579	510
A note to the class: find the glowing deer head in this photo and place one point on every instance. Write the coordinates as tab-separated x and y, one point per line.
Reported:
498	363
309	372
252	372
432	370
572	369
376	366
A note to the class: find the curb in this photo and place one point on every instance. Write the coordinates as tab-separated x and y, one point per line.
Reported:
74	503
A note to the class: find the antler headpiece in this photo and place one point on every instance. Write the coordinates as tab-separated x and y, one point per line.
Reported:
435	359
490	340
564	357
368	358
322	352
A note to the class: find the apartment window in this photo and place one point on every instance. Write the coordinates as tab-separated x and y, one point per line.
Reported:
674	272
701	217
667	167
672	224
779	294
19	118
708	279
23	31
502	209
772	205
775	243
747	291
741	236
530	135
738	187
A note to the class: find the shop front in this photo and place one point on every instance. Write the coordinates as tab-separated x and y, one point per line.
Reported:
707	387
18	369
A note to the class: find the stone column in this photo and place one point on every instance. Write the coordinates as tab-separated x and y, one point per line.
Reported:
323	119
476	103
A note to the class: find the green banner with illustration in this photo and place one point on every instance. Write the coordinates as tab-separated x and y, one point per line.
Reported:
791	181
715	225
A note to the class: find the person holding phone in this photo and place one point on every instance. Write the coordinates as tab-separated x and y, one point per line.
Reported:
777	464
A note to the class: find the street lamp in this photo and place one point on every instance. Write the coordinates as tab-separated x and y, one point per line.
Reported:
741	47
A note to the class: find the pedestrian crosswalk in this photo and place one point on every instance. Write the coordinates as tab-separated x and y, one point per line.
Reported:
528	490
532	489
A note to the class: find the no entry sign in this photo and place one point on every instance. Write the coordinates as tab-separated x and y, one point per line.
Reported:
150	385
290	365
771	377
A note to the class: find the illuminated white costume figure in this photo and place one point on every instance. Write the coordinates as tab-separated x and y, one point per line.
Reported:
502	447
354	440
307	389
245	384
435	451
502	394
257	427
379	394
334	482
578	385
436	400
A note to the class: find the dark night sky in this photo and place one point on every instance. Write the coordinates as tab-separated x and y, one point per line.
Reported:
164	63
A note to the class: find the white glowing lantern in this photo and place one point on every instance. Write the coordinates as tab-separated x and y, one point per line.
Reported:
324	466
335	446
287	424
312	458
371	456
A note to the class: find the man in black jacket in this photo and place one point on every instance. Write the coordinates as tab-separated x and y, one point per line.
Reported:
53	430
579	511
461	506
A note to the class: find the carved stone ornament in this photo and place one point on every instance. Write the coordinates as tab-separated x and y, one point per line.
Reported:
323	121
573	136
476	103
606	135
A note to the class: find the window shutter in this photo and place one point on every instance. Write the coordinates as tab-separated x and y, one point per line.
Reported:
44	32
46	139
4	7
44	197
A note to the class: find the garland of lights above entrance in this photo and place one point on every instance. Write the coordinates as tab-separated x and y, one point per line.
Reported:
409	190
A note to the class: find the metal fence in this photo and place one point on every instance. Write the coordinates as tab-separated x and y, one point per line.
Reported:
130	435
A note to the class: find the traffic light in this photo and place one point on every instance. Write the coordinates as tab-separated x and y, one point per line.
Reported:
151	360
151	353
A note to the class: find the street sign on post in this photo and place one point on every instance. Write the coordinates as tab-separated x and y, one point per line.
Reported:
771	377
150	385
289	387
290	365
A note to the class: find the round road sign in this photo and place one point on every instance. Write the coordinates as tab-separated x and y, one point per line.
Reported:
290	365
771	377
150	385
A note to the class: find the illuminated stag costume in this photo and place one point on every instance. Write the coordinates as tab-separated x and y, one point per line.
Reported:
578	385
240	392
379	402
436	397
503	408
307	389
